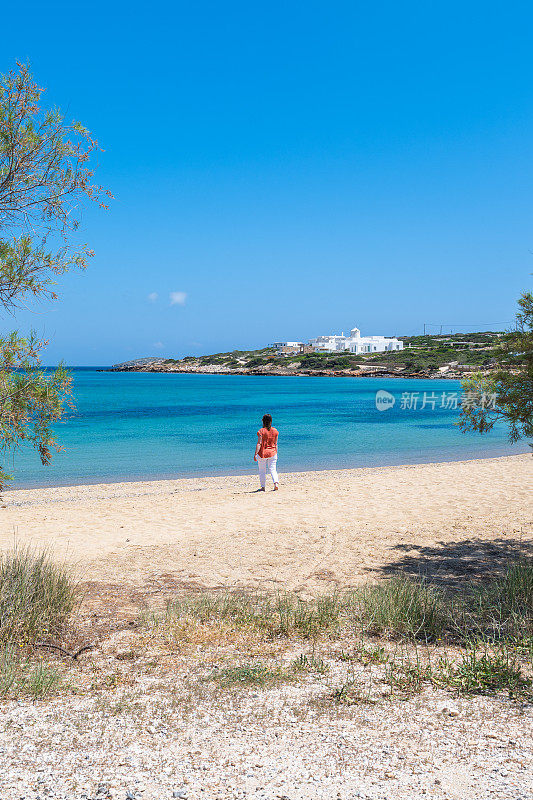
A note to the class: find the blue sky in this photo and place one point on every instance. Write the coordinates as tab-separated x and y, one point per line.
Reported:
288	169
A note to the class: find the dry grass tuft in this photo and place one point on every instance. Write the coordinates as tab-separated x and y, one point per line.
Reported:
36	596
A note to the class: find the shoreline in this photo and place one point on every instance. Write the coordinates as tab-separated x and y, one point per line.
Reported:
322	530
98	481
379	372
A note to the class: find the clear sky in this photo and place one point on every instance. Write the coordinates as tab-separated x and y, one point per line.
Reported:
284	170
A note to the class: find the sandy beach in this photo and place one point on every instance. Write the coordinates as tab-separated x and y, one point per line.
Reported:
323	529
141	715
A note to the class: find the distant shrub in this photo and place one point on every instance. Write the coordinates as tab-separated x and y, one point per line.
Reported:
212	360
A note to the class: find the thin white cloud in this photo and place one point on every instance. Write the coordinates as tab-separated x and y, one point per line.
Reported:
152	297
159	345
177	298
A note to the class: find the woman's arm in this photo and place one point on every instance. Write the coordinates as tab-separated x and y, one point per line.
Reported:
258	446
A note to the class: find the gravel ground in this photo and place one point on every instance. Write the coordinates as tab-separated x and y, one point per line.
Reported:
157	738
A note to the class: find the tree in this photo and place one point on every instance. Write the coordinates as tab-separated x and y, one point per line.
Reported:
45	177
506	394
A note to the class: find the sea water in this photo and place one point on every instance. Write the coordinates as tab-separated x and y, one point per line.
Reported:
135	426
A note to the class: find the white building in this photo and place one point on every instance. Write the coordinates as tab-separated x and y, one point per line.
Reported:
355	343
329	344
279	345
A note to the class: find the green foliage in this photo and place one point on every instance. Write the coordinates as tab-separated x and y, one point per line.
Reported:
279	615
420	353
401	607
424	358
257	362
455	340
406	674
477	640
310	663
249	675
44	175
482	671
30	399
18	675
515	590
36	596
374	654
44	178
337	361
503	608
511	385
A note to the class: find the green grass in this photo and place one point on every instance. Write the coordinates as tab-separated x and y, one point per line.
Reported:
514	592
406	672
350	693
483	670
36	596
256	674
281	615
365	654
478	669
36	599
310	663
401	607
500	610
488	630
19	675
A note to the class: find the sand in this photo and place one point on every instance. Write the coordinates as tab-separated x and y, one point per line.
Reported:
321	530
141	716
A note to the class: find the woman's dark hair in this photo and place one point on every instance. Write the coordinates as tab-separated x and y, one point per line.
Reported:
267	421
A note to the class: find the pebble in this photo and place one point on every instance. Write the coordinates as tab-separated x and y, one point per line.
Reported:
449	710
278	738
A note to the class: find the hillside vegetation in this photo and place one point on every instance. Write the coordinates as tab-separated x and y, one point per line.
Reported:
420	353
422	356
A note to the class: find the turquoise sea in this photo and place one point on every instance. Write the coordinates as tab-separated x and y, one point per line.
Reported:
132	426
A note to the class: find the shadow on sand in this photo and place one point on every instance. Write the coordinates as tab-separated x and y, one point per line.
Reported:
452	564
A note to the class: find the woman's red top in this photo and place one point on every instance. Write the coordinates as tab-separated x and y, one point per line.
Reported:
269	442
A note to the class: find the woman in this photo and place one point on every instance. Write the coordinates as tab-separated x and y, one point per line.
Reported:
266	452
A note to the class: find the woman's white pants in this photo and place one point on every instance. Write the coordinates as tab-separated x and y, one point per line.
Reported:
270	464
